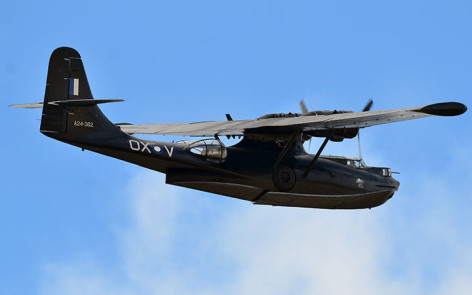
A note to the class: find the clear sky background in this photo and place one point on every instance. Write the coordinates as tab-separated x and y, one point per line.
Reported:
74	222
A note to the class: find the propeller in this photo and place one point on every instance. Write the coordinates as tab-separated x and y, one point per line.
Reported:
303	107
368	105
365	109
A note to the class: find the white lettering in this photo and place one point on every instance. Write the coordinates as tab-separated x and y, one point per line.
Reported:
87	124
140	146
134	145
169	152
145	147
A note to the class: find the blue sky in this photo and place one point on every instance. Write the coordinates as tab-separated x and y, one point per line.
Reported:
75	222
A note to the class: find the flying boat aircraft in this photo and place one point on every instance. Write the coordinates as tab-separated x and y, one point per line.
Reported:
269	166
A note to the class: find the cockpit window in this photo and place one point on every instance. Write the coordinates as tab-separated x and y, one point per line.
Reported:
358	163
351	162
212	150
387	172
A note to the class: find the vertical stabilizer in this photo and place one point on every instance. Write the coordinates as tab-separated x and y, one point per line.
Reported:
73	121
66	80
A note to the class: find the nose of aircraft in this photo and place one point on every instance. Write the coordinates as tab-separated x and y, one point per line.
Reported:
386	190
387	184
395	183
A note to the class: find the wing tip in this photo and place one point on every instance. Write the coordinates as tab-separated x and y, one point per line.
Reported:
444	109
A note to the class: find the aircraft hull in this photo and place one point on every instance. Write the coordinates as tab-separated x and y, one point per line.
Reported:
248	174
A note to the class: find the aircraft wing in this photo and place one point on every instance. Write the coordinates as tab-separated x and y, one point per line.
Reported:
299	123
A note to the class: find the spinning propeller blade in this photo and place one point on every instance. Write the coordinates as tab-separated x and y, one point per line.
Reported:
303	107
368	106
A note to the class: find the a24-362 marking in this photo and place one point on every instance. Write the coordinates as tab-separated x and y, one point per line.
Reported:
87	124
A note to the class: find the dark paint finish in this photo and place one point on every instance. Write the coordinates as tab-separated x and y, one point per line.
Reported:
445	109
260	171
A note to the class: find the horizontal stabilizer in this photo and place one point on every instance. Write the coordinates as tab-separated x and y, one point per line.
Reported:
69	102
27	105
82	102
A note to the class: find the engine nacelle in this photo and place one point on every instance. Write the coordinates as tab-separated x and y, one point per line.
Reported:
338	135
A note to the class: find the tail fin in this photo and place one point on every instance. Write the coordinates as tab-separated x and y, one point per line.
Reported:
69	111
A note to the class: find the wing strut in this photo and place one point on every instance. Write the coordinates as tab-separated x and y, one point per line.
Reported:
285	150
308	169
